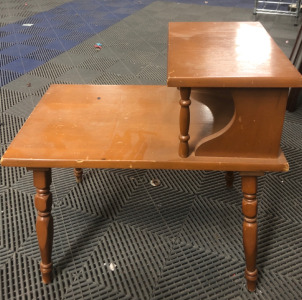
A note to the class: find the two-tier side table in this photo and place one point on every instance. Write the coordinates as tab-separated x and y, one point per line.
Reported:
232	81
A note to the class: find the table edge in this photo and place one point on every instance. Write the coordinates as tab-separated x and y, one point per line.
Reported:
278	164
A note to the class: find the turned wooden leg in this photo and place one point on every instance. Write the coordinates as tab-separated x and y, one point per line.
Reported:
44	223
184	121
249	209
78	172
229	178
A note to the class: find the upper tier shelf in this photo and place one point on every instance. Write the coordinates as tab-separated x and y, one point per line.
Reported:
230	54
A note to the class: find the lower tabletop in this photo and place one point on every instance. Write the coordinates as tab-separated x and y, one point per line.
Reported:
89	126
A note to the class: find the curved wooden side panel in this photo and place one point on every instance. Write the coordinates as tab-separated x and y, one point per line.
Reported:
216	135
259	114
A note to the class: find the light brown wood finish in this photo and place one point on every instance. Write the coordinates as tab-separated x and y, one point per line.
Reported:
250	232
184	122
240	59
235	122
259	113
71	128
44	222
226	54
243	62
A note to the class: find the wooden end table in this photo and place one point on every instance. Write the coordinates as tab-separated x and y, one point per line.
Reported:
242	61
235	122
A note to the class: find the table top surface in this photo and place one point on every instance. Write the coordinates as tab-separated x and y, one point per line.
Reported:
89	126
227	54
